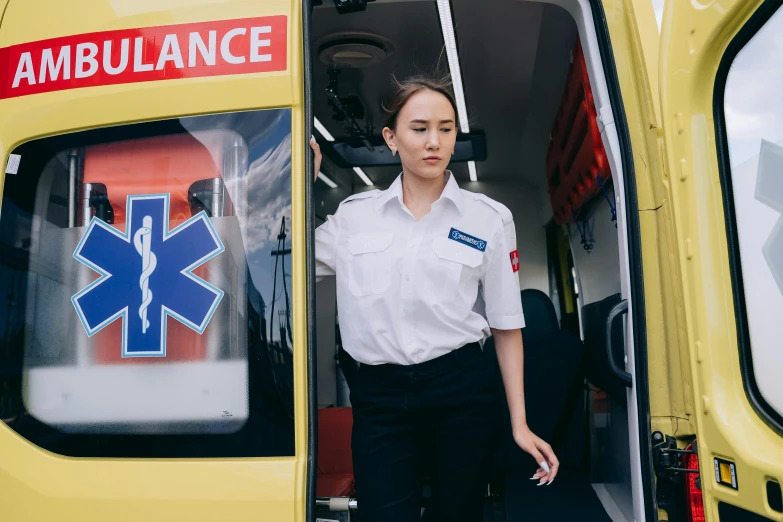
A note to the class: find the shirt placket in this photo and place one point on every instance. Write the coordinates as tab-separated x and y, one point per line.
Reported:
408	293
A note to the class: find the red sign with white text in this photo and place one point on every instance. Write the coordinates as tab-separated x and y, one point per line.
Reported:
240	46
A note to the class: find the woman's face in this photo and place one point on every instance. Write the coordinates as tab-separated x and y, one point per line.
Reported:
425	134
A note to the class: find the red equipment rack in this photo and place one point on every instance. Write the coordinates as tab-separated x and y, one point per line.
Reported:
576	155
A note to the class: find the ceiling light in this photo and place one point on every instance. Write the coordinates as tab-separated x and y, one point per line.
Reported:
447	27
325	133
323	177
364	177
472	170
450	41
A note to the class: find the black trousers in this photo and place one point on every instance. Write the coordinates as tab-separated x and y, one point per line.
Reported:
439	418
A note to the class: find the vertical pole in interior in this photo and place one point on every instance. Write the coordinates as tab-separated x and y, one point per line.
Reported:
86	210
217	197
239	202
73	164
83	346
218	329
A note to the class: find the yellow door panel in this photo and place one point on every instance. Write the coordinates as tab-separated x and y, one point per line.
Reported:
730	428
634	37
99	484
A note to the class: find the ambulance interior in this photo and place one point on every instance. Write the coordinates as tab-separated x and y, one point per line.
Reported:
535	144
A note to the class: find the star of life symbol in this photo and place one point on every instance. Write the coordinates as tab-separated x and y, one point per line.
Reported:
146	275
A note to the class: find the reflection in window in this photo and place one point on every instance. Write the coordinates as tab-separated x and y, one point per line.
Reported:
753	107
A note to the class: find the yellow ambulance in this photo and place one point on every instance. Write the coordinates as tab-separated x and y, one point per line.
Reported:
165	353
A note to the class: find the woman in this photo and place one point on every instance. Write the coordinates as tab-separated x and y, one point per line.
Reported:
425	271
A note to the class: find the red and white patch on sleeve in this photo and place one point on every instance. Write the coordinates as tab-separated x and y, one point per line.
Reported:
515	261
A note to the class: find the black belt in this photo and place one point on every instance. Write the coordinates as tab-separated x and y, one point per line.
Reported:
467	354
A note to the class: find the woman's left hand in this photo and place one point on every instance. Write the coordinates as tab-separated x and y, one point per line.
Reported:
317	159
539	450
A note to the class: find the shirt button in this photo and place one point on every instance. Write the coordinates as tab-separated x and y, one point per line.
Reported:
405	311
407	277
410	342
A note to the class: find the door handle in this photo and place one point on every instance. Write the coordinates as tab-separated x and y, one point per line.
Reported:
624	377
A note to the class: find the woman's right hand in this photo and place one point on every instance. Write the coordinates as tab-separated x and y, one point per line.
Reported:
541	452
317	160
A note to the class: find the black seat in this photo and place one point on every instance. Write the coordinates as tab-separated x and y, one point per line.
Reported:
552	376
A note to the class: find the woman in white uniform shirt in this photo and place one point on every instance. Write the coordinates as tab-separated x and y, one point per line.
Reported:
426	270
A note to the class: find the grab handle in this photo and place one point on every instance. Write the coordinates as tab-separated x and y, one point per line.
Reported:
624	377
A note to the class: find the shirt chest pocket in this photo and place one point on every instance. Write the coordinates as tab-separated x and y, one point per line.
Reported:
450	262
369	262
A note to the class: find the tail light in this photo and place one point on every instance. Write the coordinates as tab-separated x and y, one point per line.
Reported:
693	496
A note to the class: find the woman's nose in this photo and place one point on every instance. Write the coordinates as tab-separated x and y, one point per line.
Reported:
433	143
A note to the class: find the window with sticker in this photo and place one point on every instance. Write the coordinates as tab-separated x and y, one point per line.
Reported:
145	289
752	175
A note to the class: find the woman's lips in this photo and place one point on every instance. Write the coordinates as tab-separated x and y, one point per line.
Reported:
432	160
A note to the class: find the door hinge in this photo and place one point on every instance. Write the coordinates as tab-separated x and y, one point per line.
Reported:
667	458
669	472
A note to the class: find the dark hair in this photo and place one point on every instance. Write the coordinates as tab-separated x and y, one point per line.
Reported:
405	89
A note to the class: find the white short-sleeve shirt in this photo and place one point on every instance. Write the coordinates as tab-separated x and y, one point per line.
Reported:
410	291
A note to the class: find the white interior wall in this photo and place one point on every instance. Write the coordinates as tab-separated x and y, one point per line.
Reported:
525	204
599	269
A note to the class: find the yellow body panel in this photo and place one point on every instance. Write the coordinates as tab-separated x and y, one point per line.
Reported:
634	37
38	485
694	38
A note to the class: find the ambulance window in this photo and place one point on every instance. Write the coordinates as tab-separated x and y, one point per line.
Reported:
145	290
752	175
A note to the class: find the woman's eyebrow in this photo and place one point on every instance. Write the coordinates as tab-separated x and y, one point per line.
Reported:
426	121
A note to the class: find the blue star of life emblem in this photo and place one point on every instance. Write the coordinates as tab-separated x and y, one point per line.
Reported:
146	274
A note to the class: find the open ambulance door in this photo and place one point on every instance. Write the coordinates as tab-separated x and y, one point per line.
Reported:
721	70
618	53
153	261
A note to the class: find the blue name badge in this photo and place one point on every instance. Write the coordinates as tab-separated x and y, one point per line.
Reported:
467	239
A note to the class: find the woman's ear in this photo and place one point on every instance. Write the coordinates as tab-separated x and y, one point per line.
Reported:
388	135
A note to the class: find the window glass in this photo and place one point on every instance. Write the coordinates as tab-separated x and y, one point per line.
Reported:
753	108
145	289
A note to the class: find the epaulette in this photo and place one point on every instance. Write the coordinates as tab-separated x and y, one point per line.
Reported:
500	208
361	195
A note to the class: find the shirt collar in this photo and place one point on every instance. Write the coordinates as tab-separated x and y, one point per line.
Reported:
451	191
394	191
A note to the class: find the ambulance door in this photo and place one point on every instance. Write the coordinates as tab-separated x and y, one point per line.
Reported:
721	71
153	261
619	54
